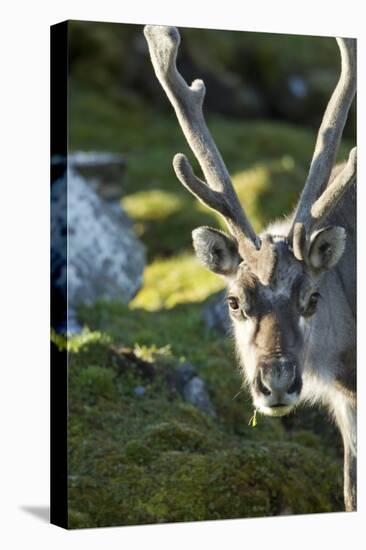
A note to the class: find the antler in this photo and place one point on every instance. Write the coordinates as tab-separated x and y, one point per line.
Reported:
315	202
217	192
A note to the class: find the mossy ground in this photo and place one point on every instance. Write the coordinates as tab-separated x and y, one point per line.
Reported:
153	458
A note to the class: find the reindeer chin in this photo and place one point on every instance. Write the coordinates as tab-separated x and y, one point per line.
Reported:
275	411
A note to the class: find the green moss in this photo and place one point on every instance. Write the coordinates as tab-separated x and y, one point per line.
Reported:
165	220
172	281
231	483
155	458
306	438
268	191
176	436
77	341
138	452
154	205
95	382
77	519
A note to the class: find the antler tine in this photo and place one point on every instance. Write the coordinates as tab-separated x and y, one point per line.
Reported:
328	200
312	207
218	193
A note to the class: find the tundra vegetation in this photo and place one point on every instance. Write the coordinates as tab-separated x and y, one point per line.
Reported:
151	457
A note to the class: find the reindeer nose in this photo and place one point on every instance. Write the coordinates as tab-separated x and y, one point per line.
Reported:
278	378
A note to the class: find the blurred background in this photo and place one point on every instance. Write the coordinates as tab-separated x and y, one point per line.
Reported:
158	424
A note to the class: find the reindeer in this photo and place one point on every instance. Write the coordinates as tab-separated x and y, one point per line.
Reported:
291	290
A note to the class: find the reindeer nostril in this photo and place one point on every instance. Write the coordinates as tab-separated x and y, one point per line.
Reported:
293	388
262	388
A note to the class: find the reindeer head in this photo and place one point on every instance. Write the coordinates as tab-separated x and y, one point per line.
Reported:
272	281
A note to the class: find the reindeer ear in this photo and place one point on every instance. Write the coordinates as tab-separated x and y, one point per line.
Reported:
216	251
326	248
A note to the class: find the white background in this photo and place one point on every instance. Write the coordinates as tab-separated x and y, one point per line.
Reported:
24	271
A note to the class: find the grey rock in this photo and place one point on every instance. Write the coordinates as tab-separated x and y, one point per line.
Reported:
298	86
139	391
184	373
71	325
105	260
194	392
192	388
216	314
104	171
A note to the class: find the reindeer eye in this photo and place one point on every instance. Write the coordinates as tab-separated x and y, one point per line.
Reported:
233	303
313	300
312	303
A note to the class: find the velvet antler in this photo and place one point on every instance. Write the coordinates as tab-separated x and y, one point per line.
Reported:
317	200
217	191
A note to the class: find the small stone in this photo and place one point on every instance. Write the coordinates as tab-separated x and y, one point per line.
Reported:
216	314
194	392
139	391
297	86
184	373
